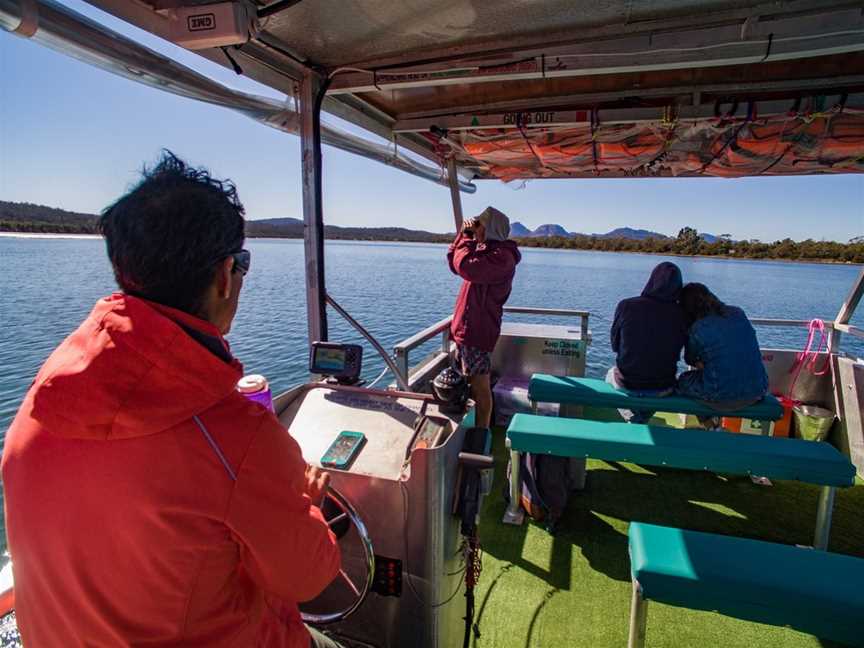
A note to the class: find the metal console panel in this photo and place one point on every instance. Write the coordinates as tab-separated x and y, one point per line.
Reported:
406	506
525	349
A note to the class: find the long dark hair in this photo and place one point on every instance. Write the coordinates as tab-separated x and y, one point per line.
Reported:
698	302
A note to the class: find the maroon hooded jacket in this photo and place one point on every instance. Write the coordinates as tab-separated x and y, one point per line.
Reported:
488	271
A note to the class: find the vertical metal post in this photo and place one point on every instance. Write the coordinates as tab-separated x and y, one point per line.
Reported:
313	222
453	179
445	340
514	513
638	618
847	310
401	360
823	517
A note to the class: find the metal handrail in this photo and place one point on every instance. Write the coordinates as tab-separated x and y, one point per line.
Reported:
559	312
423	336
850	329
760	321
404	348
547	311
442	327
401	378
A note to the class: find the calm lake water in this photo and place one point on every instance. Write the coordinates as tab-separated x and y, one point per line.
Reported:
394	289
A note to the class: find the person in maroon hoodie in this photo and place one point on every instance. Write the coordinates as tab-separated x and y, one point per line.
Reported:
148	502
486	259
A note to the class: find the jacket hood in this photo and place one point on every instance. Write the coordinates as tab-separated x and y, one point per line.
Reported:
132	370
497	224
665	283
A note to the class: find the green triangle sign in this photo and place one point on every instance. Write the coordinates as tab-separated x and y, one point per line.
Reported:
475	121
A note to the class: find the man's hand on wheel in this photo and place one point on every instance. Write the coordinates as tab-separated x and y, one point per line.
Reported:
317	482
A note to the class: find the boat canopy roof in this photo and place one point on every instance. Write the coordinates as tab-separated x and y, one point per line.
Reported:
522	89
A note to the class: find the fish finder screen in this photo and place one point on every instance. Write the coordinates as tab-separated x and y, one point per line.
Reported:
330	359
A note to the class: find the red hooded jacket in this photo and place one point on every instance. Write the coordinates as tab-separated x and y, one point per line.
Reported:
125	525
488	271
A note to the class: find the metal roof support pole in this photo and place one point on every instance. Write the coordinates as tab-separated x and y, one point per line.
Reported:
453	179
847	310
313	221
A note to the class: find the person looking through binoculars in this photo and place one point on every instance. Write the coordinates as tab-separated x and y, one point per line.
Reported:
486	259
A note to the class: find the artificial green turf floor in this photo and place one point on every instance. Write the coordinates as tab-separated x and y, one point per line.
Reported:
573	589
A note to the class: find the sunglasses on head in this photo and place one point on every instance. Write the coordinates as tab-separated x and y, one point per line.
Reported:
242	261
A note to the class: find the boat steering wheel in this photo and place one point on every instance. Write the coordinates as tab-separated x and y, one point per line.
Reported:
346	512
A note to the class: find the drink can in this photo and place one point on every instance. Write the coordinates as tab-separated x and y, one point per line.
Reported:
255	388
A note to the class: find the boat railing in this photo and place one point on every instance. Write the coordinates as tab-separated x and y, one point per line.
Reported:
402	351
787	323
850	329
583	315
401	376
834	328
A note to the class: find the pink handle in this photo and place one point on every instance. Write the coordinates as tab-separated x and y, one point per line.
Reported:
808	357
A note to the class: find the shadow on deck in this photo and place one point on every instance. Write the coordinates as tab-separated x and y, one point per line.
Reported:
573	588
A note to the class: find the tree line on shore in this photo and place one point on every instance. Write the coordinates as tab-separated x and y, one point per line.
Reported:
26	217
688	242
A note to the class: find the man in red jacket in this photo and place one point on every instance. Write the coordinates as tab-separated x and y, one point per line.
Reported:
147	501
486	259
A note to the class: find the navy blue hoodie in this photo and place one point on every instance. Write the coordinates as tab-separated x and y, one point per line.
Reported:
649	332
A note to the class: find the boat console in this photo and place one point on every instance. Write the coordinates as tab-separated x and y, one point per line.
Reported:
393	505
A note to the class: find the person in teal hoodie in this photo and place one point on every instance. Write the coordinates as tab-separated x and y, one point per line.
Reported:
723	350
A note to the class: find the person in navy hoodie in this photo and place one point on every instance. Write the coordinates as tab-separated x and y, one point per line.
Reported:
722	347
486	259
647	335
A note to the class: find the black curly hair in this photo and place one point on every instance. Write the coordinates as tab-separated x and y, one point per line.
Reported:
168	233
698	302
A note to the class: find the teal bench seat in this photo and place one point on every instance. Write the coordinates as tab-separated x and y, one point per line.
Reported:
568	390
654	445
815	592
716	451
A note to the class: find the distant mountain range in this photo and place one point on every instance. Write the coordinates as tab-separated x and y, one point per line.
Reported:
27	217
518	230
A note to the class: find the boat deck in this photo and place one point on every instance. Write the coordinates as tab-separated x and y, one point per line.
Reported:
573	588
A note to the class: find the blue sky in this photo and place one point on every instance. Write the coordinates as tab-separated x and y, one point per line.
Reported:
73	136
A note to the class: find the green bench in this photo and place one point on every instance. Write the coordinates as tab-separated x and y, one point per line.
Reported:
815	592
570	390
715	451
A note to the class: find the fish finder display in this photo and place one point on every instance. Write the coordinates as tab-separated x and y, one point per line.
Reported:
332	359
341	361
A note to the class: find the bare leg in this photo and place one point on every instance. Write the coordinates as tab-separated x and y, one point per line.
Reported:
481	392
